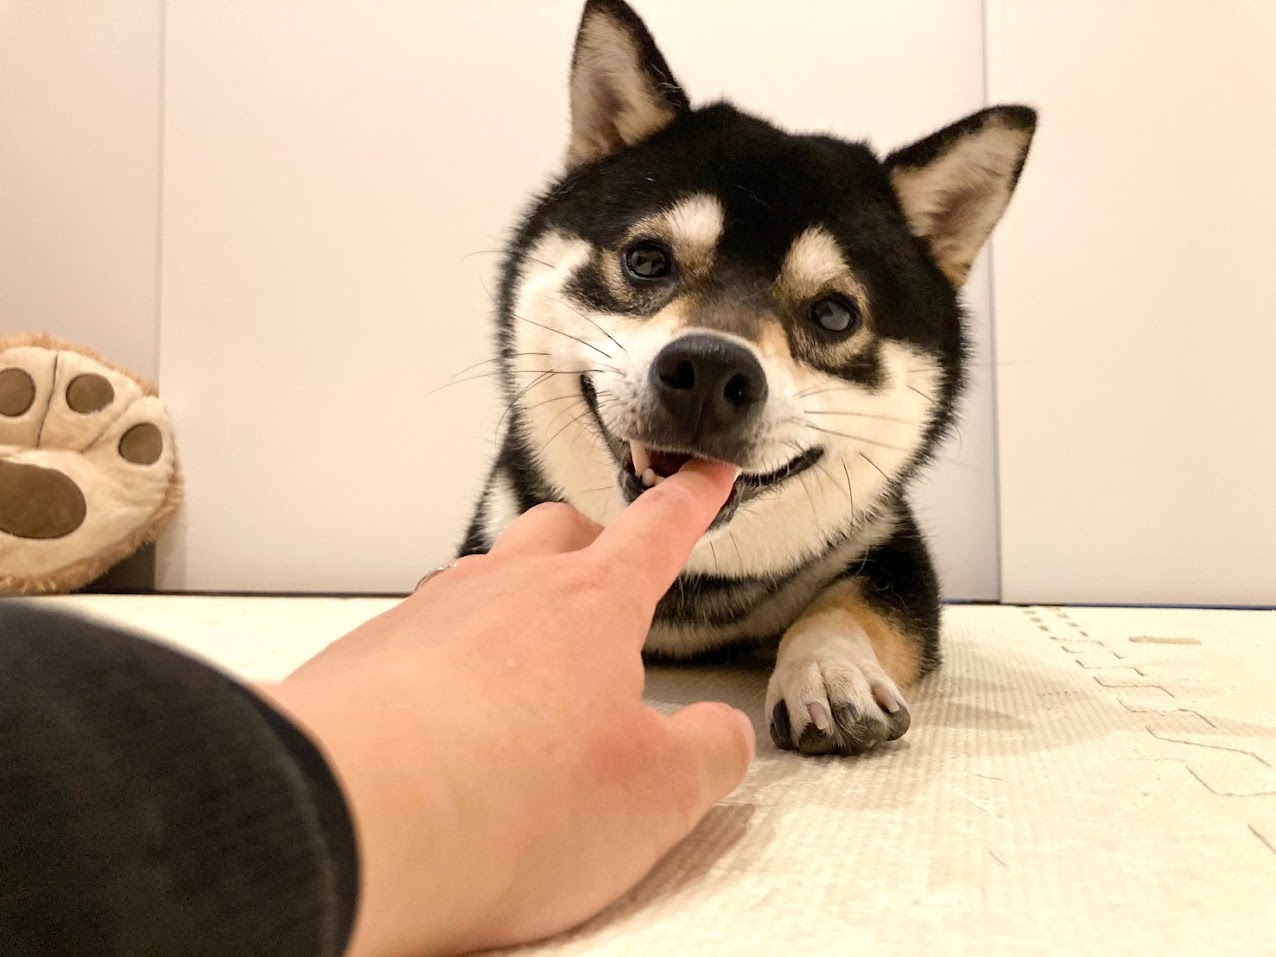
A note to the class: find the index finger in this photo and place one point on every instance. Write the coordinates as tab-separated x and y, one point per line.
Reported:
653	537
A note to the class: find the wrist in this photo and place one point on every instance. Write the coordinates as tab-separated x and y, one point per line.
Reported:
404	814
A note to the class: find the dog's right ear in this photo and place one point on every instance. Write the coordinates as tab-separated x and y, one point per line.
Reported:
955	184
622	91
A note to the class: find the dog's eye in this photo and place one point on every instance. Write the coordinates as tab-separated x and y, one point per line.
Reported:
648	260
835	314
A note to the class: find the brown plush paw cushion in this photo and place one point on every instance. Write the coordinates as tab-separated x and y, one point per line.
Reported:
88	469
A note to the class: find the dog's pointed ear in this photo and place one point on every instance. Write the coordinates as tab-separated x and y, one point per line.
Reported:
622	91
955	184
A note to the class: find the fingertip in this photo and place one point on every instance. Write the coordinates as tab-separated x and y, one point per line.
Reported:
718	474
748	737
749	734
721	739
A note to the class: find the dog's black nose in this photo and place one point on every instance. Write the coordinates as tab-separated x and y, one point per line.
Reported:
708	383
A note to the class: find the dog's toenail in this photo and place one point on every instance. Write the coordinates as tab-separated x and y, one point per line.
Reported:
819	715
883	697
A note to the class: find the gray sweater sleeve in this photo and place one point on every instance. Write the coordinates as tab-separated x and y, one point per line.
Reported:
151	805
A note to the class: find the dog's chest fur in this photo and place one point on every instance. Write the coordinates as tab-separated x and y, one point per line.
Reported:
702	611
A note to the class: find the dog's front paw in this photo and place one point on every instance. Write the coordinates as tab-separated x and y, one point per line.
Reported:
833	705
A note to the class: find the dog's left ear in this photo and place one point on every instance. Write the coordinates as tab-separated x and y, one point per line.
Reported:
622	91
955	184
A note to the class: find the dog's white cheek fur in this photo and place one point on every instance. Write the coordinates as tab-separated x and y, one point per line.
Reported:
561	433
780	530
502	505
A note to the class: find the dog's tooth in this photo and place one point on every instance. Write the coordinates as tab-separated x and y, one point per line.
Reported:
649	477
660	478
642	461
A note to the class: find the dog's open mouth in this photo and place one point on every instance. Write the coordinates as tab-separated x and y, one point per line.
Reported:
652	466
643	466
646	468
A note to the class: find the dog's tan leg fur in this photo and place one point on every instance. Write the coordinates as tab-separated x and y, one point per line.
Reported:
842	607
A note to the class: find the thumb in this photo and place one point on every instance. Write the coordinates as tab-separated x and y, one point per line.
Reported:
715	743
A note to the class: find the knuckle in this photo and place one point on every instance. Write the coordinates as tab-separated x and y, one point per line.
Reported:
588	573
568	516
584	523
557	511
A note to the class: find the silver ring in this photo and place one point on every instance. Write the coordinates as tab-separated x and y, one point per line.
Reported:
438	571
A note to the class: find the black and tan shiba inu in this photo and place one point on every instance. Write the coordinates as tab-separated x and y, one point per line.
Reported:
701	283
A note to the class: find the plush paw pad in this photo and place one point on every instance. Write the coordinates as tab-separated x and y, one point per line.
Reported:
88	470
834	705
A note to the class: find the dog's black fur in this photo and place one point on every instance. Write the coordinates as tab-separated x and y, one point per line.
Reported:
907	228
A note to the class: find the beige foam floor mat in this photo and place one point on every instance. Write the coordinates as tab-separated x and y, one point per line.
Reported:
1079	781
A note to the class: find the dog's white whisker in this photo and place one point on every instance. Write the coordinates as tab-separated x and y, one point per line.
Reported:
861	415
589	345
594	323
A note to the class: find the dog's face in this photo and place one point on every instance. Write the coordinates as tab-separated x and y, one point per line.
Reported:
701	283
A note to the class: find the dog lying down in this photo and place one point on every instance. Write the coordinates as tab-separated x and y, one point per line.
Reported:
701	283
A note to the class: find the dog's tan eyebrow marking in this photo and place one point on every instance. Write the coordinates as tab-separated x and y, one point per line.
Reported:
692	227
814	267
813	264
696	221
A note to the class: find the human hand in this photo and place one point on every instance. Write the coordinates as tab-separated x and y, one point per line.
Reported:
505	777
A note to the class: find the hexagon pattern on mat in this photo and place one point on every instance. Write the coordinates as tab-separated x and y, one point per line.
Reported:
88	467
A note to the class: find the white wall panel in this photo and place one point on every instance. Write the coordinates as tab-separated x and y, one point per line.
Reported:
79	173
336	177
1135	302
